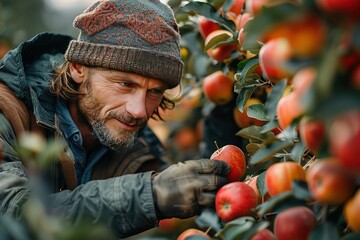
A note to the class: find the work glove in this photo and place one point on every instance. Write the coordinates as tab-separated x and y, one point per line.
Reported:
184	189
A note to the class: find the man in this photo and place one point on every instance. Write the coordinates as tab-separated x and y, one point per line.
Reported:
97	93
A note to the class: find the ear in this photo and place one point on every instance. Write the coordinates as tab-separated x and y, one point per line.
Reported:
78	72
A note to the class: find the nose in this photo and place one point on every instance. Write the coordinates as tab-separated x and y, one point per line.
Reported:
136	105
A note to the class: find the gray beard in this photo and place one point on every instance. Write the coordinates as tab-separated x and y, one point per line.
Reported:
123	143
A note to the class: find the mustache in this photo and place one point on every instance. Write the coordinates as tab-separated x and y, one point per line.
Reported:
128	119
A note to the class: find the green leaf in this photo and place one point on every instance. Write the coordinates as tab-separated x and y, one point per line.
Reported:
325	231
253	134
210	12
298	151
244	95
260	184
250	66
273	98
219	40
257	227
267	206
257	111
246	83
301	190
208	218
236	228
269	151
351	236
270	125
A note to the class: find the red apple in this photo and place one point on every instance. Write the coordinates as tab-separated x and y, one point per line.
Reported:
279	177
192	232
264	234
288	109
206	26
234	200
351	212
221	52
234	157
294	223
218	88
273	57
344	7
344	138
306	41
312	133
329	182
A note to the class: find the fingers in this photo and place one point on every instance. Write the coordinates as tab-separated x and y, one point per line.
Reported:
218	167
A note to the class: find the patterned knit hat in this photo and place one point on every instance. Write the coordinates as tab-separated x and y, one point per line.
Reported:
138	36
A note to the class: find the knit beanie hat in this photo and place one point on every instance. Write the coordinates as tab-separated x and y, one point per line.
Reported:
137	36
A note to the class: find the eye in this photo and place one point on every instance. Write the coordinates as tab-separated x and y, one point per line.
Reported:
125	84
156	93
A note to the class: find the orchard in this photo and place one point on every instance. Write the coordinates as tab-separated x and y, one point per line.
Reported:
286	72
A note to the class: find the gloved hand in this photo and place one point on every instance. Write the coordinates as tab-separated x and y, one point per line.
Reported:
184	189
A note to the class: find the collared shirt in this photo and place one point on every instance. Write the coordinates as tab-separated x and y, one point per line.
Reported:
83	163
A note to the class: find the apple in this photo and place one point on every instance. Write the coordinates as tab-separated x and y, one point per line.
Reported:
234	200
242	119
237	7
206	26
344	7
312	133
329	182
288	109
279	177
273	57
221	52
218	88
255	6
351	212
193	232
252	183
303	80
344	137
235	158
306	41
185	138
295	223
264	234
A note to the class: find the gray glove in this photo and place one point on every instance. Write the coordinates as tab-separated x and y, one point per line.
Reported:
184	189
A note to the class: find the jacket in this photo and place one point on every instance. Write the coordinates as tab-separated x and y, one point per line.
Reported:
120	192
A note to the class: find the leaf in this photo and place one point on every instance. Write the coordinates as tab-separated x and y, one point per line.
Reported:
324	231
250	66
208	218
270	125
253	134
269	151
260	184
351	236
244	95
273	98
267	206
298	151
210	12
219	40
301	190
252	148
235	228
257	111
247	82
257	227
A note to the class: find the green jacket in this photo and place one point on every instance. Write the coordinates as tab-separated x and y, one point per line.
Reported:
120	191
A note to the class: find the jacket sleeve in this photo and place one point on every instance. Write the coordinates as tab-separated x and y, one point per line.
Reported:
124	203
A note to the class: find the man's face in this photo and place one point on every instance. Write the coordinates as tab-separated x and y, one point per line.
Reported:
117	104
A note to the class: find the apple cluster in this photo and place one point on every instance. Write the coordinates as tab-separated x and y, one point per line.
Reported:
294	68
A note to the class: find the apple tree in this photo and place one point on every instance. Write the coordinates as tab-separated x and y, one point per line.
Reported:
295	66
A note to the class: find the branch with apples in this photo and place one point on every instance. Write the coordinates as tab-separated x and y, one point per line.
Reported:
294	68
